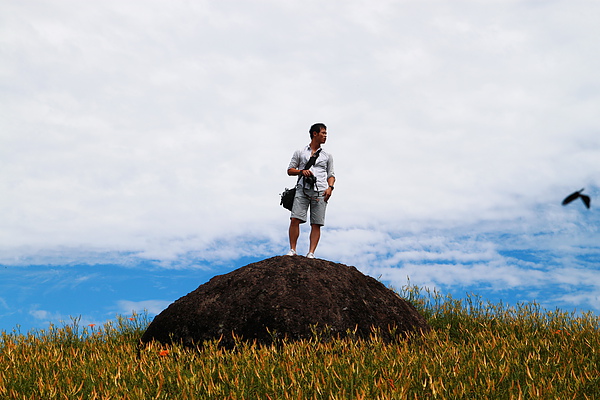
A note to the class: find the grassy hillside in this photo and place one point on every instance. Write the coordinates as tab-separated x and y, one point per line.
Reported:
475	351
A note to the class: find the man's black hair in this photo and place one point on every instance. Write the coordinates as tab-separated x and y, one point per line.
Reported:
316	128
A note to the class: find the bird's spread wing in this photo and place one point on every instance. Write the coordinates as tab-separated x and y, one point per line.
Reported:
586	200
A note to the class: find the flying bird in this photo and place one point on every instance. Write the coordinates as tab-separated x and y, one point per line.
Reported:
573	196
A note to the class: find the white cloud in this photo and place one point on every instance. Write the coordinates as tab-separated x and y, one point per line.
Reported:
46	317
139	307
162	131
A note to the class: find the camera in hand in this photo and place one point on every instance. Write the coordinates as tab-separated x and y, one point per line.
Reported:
310	180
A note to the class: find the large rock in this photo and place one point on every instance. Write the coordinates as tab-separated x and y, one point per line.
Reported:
285	297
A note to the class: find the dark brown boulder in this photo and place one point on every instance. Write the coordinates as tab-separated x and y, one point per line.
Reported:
285	297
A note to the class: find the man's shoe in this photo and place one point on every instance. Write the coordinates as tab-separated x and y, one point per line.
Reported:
310	255
292	252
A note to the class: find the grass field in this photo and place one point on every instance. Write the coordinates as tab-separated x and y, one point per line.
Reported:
476	350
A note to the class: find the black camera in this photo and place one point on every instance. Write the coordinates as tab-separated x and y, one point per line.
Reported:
310	180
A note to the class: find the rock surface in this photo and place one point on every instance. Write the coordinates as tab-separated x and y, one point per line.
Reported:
285	297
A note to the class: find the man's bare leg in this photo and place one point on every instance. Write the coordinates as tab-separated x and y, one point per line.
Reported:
315	235
294	232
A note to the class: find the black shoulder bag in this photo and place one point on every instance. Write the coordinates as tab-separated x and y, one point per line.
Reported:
287	197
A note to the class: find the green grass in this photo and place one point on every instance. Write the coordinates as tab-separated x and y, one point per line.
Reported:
476	350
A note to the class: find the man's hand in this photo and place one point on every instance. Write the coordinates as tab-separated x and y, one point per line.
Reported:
328	193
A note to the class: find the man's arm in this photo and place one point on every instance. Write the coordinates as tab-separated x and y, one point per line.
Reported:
294	171
294	164
330	178
329	190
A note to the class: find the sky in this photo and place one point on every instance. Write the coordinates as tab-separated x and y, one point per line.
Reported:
143	147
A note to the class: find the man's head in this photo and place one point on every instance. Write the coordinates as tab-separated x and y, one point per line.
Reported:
316	128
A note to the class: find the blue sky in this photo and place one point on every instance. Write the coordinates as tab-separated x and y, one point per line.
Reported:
143	146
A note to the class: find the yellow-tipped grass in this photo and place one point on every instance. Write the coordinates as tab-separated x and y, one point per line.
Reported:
475	351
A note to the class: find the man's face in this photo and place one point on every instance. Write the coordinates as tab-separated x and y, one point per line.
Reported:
321	137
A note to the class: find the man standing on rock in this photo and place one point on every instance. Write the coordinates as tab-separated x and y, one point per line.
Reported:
313	189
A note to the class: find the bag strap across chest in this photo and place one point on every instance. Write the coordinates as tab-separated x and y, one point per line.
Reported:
311	161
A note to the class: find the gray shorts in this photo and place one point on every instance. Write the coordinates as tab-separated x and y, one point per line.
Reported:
316	201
